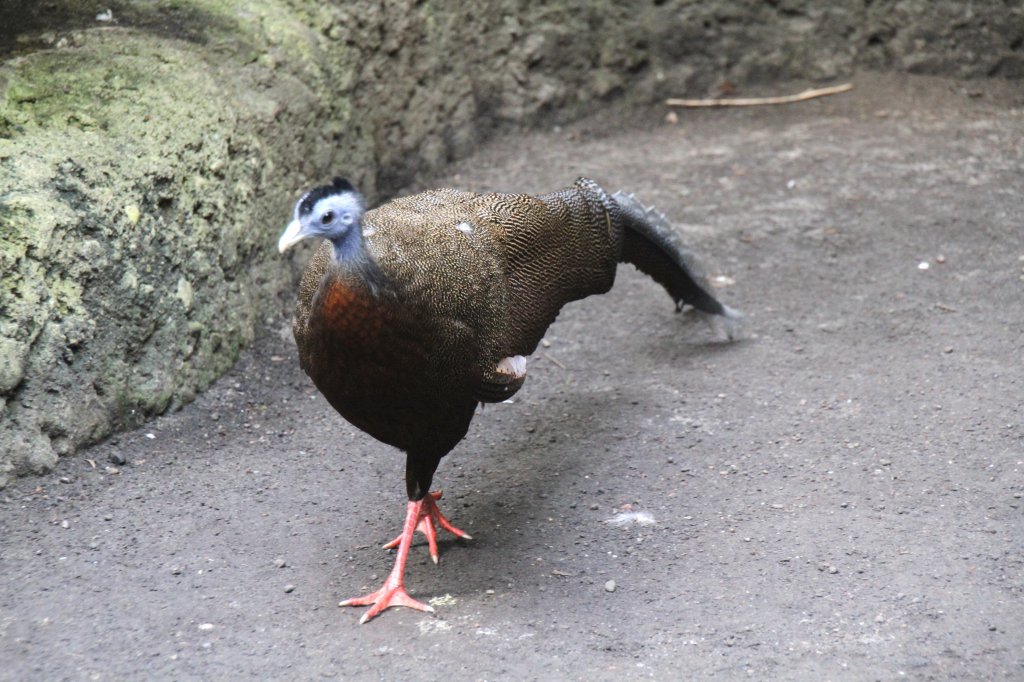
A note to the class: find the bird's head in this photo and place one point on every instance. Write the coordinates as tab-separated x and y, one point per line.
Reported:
334	212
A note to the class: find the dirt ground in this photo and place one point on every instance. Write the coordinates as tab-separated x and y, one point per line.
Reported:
838	495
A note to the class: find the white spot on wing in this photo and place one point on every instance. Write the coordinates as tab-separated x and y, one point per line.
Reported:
515	365
369	231
464	227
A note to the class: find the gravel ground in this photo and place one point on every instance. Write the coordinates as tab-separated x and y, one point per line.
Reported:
838	495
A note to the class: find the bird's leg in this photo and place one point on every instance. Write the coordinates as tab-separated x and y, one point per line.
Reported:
393	593
430	517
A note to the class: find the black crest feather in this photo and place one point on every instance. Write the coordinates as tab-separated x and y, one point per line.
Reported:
314	195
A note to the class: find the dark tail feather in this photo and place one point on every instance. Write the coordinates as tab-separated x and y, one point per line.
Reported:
651	244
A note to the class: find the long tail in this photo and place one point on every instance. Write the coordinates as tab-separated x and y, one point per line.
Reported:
650	243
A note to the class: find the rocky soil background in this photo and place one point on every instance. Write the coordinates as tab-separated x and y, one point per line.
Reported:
836	496
150	151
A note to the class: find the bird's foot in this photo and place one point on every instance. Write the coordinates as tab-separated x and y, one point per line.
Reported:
428	519
422	515
391	594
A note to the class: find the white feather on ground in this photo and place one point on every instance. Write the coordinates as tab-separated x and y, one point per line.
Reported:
629	518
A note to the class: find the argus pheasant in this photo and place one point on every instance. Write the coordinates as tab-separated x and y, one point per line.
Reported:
412	314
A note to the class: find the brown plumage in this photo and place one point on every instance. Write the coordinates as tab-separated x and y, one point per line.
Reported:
412	314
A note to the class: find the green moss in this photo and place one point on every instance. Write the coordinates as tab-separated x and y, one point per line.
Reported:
105	93
65	295
12	363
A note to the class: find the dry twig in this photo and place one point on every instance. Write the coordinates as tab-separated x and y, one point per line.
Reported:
552	359
757	101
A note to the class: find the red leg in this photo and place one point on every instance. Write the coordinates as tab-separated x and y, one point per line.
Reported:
430	518
393	593
421	515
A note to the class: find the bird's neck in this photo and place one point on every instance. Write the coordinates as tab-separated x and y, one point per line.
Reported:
348	246
354	263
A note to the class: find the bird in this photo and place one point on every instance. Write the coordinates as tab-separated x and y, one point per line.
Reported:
411	315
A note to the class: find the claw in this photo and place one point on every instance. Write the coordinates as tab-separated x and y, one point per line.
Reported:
387	596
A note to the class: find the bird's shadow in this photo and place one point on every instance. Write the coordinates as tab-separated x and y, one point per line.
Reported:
527	484
523	477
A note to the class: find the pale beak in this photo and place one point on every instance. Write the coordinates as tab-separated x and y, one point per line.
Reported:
292	235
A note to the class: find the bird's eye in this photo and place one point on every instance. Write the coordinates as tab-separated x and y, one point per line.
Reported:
327	217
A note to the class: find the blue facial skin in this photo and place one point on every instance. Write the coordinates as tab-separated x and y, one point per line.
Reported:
331	213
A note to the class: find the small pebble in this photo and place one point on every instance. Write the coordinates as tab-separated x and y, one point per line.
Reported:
118	459
133	213
289	588
206	627
488	591
65	479
65	524
279	562
833	569
609	586
595	507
